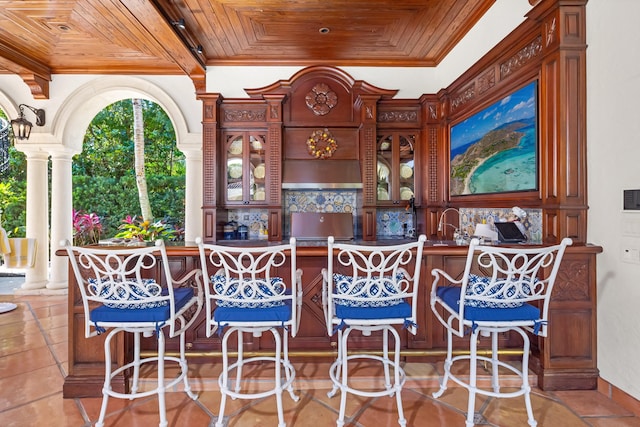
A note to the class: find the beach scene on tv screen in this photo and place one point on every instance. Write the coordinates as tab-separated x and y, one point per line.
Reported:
495	150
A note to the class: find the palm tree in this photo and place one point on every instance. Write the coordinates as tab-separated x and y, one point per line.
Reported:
138	141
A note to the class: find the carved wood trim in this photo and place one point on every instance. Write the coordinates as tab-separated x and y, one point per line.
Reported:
398	116
369	163
487	80
522	57
275	154
245	115
209	164
321	99
38	86
462	97
572	283
433	184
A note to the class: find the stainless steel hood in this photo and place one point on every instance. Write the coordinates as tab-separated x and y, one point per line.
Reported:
321	174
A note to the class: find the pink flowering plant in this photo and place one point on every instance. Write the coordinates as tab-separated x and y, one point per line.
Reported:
145	231
87	228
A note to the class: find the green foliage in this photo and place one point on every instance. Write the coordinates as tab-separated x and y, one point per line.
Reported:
145	231
103	175
108	147
114	199
13	193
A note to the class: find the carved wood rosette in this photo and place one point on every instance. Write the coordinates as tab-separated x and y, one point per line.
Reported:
321	99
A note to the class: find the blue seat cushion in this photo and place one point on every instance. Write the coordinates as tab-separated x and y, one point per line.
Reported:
451	297
159	313
396	311
278	313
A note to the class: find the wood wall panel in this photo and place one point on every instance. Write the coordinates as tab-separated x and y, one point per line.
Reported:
548	47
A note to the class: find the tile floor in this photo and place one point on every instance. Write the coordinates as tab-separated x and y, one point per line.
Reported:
33	362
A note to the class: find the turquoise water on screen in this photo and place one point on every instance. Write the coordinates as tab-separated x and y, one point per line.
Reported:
509	170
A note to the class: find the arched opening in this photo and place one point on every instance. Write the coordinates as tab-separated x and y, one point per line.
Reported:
48	153
107	197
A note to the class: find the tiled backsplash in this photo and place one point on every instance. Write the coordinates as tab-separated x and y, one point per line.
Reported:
322	201
299	201
393	222
390	222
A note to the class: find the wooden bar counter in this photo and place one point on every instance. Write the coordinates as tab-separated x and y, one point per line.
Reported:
563	361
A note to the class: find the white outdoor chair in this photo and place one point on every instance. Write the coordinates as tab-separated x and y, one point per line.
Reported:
367	289
247	293
119	293
501	289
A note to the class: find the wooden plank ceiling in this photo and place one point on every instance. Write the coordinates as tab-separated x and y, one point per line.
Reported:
45	37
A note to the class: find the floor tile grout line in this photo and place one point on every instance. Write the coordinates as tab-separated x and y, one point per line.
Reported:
59	363
30	402
83	412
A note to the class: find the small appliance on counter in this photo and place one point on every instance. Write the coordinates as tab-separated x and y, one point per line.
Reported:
243	232
320	225
229	230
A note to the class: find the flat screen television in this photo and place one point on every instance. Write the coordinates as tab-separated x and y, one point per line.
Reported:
496	149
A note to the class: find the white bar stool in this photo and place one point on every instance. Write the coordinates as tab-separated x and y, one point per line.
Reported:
118	296
246	294
509	291
368	289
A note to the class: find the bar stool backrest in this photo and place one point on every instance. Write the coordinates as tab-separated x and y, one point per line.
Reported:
251	277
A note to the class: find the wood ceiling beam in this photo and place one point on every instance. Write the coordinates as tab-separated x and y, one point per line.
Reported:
34	73
157	25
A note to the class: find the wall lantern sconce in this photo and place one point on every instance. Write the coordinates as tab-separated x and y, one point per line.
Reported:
21	126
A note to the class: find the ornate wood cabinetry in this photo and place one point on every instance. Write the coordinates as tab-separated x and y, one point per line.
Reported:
245	167
549	46
395	171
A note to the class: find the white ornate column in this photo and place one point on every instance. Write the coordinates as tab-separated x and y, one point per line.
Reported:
192	193
61	215
38	217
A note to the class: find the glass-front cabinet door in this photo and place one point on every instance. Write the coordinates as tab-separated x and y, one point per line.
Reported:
395	172
245	177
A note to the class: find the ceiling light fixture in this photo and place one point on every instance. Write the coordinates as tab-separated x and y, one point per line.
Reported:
22	127
197	49
324	30
179	24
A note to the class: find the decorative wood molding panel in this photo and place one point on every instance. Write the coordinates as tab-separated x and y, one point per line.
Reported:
274	112
433	111
275	170
369	141
321	99
244	115
572	277
434	184
524	56
209	111
550	32
486	81
462	97
398	116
